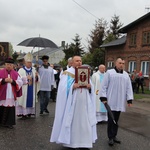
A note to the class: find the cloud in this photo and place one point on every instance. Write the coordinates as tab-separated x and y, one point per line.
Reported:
60	20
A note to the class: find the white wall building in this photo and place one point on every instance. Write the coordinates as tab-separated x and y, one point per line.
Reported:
55	54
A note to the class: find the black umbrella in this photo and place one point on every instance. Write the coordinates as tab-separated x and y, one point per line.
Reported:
110	112
38	42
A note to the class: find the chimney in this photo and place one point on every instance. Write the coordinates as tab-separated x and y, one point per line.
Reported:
63	44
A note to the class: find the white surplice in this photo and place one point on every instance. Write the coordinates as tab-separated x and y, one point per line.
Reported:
75	118
101	113
46	78
116	87
10	101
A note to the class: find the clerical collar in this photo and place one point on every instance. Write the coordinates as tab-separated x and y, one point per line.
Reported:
68	67
45	66
118	71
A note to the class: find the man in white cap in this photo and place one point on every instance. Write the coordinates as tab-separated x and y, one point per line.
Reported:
26	103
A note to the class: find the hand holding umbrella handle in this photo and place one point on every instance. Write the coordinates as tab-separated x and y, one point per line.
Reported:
104	102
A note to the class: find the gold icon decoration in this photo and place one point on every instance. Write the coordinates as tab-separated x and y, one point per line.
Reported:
82	76
2	53
97	92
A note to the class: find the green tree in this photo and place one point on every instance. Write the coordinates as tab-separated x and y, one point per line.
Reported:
97	35
11	50
87	59
78	49
98	57
75	48
112	33
115	25
15	56
63	63
68	50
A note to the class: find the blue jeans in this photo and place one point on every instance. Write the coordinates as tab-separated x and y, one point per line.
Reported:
44	99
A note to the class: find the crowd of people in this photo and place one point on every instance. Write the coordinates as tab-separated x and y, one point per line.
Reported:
137	80
78	109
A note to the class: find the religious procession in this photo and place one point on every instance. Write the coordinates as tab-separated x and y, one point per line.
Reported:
83	99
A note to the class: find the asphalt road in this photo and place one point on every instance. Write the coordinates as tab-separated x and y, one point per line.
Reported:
34	133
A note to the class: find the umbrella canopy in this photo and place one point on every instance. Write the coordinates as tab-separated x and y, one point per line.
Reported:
38	42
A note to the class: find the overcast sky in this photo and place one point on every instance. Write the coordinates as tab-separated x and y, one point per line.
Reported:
60	20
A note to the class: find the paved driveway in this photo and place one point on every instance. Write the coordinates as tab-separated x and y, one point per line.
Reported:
34	134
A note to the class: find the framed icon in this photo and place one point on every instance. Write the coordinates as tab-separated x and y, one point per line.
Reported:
82	75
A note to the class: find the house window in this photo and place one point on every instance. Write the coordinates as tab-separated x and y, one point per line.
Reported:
133	39
145	67
132	66
146	38
110	64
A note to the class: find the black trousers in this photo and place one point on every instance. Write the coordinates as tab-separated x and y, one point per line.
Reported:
112	128
140	84
134	86
7	115
53	94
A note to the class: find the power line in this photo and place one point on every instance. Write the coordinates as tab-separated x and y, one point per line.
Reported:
85	9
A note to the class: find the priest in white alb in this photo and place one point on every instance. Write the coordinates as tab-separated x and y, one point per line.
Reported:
26	103
97	78
75	118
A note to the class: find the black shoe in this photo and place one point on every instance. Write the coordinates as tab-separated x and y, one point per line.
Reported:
41	112
10	127
7	126
117	141
47	111
24	117
111	142
29	115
